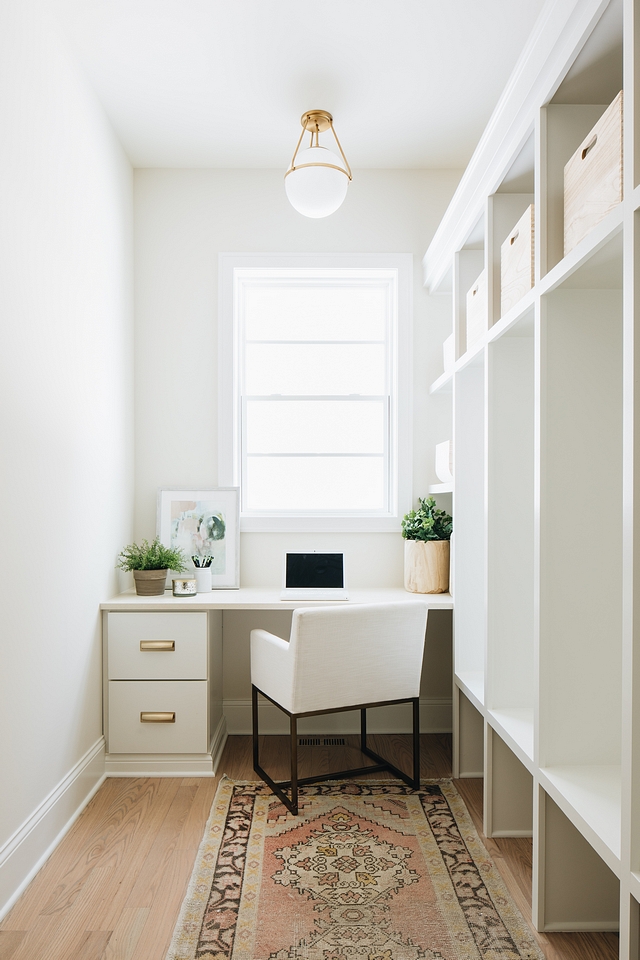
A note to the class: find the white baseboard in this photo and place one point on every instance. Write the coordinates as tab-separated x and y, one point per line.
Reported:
435	717
33	843
218	741
150	765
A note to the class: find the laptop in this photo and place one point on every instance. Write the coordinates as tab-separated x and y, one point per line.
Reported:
314	576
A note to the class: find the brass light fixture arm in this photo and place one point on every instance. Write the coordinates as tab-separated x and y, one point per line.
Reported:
292	165
346	162
317	121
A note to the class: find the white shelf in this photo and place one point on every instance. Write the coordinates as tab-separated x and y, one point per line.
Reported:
590	796
471	682
584	253
441	487
515	726
443	384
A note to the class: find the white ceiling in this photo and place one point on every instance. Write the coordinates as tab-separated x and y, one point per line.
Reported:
223	83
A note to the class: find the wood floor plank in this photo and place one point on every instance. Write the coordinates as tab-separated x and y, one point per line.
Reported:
10	940
237	759
163	915
93	945
161	853
126	933
58	935
115	835
198	814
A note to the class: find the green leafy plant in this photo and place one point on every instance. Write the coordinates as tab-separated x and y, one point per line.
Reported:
151	556
427	522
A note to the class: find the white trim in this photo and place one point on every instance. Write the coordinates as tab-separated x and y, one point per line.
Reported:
152	765
218	741
227	392
25	852
435	717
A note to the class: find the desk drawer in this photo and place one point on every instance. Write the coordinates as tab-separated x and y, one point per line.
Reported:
139	711
157	646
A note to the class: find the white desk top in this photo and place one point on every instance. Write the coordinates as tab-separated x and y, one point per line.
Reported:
256	598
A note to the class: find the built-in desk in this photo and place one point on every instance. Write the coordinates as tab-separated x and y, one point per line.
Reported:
163	666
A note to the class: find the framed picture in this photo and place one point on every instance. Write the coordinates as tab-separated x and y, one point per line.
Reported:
204	523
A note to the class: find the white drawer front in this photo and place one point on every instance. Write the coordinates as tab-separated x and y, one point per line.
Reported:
180	651
187	699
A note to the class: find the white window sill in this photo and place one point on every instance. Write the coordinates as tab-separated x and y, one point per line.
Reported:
320	525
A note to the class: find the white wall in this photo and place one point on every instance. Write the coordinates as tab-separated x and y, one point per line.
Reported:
184	219
65	425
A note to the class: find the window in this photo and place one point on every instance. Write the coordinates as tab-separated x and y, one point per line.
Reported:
314	393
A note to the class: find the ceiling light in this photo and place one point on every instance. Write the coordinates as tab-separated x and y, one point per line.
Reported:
317	179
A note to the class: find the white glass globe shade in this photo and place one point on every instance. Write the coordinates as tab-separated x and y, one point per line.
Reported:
319	190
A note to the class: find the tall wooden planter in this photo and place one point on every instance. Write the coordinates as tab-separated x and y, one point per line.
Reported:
426	566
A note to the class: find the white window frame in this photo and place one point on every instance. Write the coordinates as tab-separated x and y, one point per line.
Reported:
230	273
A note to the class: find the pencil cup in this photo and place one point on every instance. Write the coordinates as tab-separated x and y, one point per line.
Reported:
203	579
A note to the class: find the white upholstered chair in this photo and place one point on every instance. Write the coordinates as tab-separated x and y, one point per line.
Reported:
340	658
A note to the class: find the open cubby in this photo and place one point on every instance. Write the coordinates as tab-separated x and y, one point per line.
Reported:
508	790
580	600
574	889
510	531
469	530
468	760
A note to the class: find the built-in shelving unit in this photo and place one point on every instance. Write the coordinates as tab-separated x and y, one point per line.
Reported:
547	654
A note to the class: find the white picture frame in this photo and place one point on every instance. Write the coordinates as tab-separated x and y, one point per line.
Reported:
201	522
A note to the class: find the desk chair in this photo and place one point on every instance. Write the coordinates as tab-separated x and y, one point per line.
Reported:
338	659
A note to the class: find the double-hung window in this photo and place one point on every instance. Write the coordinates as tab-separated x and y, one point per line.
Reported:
314	400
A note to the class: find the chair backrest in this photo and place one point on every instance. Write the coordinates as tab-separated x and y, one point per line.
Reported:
366	653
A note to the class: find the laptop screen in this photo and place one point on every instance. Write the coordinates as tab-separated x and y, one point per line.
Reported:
323	570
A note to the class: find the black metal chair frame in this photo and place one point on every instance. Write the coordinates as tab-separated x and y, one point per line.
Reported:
295	781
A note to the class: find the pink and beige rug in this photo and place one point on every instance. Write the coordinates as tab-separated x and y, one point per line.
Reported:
366	871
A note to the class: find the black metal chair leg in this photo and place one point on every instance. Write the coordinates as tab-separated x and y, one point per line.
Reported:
254	725
363	729
416	743
293	731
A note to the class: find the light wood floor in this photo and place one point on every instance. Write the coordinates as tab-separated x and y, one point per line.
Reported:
113	888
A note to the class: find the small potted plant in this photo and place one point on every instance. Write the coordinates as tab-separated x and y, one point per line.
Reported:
426	532
149	563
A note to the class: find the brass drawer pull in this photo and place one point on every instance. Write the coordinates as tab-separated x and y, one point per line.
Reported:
157	644
151	717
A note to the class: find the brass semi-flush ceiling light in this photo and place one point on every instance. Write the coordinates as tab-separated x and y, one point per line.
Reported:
317	179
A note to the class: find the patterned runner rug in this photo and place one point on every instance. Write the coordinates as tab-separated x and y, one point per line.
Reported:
368	871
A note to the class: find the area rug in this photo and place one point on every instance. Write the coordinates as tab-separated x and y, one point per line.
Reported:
368	870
